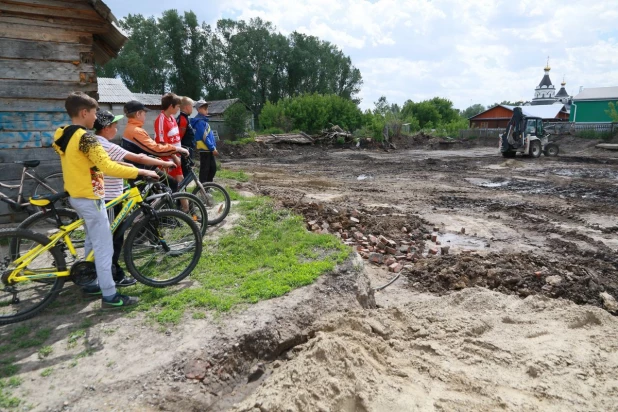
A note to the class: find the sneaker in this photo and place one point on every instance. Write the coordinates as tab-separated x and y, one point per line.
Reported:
124	282
118	301
90	292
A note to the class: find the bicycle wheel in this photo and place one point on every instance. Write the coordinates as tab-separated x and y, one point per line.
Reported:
23	300
44	222
196	209
216	199
165	260
52	184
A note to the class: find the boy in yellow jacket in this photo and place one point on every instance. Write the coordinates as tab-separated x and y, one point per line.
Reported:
84	161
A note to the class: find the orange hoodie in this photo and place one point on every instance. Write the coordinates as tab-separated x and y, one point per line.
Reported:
136	140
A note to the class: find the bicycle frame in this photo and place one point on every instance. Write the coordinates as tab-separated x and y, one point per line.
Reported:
131	198
26	172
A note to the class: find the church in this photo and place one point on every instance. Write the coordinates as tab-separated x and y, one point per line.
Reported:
545	92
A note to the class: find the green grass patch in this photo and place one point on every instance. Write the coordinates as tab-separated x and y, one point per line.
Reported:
7	400
8	368
239	175
47	372
24	336
267	254
45	351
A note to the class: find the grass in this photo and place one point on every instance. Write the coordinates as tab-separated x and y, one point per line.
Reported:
239	176
267	254
7	400
47	372
45	351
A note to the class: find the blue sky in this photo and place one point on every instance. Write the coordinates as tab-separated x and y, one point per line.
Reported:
480	51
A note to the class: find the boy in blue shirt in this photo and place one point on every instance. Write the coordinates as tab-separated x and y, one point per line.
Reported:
205	142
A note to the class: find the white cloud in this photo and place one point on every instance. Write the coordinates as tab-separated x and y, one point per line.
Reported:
470	52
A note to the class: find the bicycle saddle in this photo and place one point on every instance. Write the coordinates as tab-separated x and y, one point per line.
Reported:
28	163
44	200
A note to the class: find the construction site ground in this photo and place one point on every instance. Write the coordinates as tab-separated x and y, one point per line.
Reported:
504	300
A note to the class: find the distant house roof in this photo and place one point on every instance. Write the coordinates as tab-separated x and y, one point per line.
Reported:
548	111
113	91
148	99
598	93
108	44
216	107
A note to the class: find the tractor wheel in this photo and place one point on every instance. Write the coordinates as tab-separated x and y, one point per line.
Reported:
551	149
535	148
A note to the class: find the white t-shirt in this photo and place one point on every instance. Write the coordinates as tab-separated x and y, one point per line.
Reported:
113	185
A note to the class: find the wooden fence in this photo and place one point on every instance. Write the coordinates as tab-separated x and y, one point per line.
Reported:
478	132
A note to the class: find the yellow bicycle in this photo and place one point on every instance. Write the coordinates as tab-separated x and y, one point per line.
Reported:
162	247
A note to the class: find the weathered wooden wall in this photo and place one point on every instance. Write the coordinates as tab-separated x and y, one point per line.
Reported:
46	52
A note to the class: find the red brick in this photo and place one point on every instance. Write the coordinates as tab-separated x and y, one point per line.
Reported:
359	236
383	239
390	261
433	251
376	257
400	257
391	250
373	239
395	267
434	238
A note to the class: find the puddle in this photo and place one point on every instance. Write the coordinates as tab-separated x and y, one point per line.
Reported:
585	173
462	242
364	177
572	190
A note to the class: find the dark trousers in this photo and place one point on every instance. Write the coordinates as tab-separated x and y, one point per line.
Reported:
185	163
118	240
208	167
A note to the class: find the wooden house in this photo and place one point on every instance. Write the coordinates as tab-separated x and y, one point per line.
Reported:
48	49
499	116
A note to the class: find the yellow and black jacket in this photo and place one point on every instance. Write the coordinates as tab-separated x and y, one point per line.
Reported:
84	161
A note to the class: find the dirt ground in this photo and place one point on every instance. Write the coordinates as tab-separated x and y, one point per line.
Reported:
506	268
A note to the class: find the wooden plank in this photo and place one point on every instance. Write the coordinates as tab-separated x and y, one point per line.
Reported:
31	105
43	89
32	121
25	32
23	140
58	4
42	22
39	50
29	9
45	70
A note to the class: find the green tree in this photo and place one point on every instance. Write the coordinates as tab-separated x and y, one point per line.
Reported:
612	112
184	42
473	110
236	120
141	63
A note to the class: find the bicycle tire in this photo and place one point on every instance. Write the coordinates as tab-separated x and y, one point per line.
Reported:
40	223
220	208
142	249
39	293
197	209
56	182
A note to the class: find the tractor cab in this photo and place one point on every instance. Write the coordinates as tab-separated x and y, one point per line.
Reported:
526	135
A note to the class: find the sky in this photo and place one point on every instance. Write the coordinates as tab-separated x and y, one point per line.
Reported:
468	51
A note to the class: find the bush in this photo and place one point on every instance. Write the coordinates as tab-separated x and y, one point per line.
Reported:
311	113
272	130
236	120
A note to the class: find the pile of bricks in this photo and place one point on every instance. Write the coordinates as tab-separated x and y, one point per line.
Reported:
377	249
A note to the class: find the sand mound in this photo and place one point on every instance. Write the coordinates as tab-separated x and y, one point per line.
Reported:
474	350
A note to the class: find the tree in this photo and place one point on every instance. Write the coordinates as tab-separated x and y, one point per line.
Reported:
184	42
141	63
236	118
473	110
612	112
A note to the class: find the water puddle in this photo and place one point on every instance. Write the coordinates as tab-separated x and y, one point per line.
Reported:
462	242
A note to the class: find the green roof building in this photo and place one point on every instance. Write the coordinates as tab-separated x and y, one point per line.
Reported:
589	105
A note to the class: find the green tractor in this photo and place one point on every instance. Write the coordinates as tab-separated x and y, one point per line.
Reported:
525	135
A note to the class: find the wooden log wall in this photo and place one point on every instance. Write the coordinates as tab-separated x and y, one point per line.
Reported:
46	52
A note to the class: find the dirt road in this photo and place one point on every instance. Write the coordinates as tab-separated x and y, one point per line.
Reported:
510	318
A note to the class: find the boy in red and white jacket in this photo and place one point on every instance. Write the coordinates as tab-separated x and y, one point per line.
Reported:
166	130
